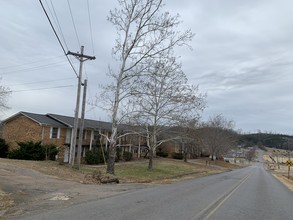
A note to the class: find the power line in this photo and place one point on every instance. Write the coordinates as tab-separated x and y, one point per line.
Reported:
90	23
52	27
73	23
57	37
56	20
55	87
25	64
33	68
38	82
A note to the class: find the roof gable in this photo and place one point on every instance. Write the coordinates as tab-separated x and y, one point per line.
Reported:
42	120
69	121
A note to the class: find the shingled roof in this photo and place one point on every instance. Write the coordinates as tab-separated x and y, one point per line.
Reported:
38	118
55	120
88	123
69	121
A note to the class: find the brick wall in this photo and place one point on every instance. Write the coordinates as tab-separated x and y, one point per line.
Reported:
57	141
170	148
21	129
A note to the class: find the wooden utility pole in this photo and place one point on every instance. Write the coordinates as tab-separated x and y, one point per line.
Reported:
81	124
81	57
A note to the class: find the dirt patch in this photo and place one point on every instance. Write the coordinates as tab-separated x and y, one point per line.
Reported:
30	187
53	168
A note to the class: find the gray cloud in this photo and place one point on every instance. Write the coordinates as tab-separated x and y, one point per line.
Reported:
242	57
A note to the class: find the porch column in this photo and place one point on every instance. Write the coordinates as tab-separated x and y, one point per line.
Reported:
91	139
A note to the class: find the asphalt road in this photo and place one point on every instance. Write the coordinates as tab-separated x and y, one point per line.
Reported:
247	193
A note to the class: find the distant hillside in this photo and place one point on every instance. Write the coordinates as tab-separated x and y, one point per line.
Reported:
278	141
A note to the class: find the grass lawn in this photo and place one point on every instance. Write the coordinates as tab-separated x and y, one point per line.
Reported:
164	170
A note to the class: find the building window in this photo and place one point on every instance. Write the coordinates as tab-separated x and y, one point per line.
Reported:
54	132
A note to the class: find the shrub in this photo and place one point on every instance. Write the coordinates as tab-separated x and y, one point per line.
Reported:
3	148
127	156
178	156
162	154
94	156
28	151
118	154
51	151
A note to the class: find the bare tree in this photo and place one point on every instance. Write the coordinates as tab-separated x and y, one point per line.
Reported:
190	140
250	154
187	137
164	101
144	33
217	136
4	95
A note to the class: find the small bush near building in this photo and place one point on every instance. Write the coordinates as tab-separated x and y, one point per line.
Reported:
94	156
3	148
118	154
51	151
178	156
28	151
162	154
127	156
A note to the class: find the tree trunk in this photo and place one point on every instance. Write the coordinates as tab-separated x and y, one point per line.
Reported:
151	154
184	152
111	158
185	156
113	138
112	150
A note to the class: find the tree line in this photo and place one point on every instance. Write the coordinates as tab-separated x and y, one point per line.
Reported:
278	141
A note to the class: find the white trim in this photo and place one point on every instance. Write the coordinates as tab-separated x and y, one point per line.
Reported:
51	133
58	133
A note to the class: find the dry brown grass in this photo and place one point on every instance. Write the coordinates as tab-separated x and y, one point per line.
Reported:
5	201
280	169
219	163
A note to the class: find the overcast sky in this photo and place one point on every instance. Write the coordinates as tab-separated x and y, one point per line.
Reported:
242	57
